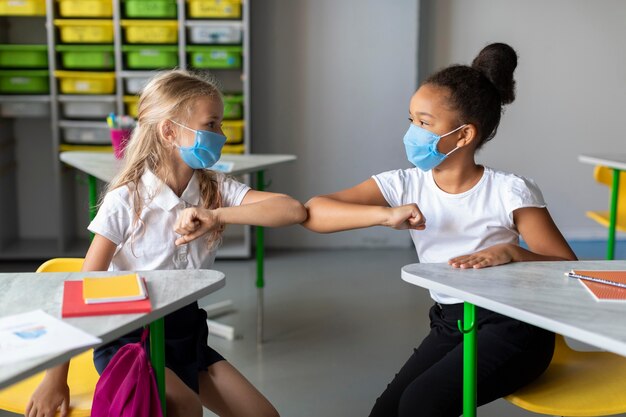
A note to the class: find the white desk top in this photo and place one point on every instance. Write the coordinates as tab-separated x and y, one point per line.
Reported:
23	292
534	292
104	166
608	160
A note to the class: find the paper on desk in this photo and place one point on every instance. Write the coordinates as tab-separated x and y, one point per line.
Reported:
33	334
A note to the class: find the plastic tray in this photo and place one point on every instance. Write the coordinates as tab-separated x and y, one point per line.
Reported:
78	82
153	8
233	130
85	8
150	57
24	81
207	33
131	103
134	85
215	9
87	56
22	7
150	31
234	149
19	109
86	133
23	56
215	57
85	31
233	106
78	108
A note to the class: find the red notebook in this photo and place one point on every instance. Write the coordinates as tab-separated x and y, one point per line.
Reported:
604	285
74	304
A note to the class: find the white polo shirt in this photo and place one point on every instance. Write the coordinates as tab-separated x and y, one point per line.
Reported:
460	224
148	244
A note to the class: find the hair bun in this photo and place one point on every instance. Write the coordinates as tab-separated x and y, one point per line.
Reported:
497	62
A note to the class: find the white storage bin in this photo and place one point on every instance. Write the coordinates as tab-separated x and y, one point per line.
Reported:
86	109
21	109
214	34
134	85
93	133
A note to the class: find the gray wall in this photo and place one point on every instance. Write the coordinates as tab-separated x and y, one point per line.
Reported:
332	80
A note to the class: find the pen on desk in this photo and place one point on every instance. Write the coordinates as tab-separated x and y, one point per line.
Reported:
598	280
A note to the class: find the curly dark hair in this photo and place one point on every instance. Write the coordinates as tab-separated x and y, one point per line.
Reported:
479	92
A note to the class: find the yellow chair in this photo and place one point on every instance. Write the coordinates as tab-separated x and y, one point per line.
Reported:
576	384
604	175
82	375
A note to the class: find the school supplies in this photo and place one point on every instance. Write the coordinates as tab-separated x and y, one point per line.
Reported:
74	305
603	285
121	121
119	288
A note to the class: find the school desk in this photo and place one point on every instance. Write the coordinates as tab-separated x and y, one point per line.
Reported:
617	162
103	166
168	291
534	292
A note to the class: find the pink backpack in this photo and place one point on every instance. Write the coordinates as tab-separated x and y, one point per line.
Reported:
127	387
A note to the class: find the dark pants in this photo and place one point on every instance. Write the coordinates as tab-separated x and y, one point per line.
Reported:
510	355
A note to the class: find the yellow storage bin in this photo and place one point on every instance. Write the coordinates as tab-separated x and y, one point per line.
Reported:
233	149
85	8
215	9
150	31
233	130
85	31
131	102
22	7
81	82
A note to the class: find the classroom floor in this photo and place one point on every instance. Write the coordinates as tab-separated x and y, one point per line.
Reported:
339	324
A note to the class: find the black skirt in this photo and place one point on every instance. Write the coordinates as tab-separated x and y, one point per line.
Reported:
186	349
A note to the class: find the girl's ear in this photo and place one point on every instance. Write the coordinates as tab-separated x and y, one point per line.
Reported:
467	135
166	131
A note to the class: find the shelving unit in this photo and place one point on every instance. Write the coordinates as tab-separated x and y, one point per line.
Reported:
90	73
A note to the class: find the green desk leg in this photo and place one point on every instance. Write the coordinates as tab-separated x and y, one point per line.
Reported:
610	247
260	282
468	328
157	356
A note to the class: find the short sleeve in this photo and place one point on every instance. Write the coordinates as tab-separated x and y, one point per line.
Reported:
393	185
523	192
232	191
113	219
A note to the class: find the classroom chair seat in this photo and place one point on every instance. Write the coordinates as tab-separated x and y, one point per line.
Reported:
576	383
82	377
604	175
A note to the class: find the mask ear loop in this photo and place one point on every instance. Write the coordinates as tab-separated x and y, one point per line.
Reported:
451	132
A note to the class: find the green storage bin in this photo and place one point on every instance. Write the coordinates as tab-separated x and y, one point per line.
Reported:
24	82
150	56
151	8
87	57
215	57
23	56
233	106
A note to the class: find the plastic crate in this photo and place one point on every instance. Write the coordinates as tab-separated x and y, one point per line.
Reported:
150	31
23	109
234	149
24	82
85	31
233	106
76	82
78	108
215	57
233	130
203	33
87	56
215	9
23	56
85	8
150	57
22	7
131	103
151	8
134	85
86	133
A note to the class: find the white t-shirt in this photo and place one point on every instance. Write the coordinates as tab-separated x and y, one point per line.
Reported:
460	224
149	243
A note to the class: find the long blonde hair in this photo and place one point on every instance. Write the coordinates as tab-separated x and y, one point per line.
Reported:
168	95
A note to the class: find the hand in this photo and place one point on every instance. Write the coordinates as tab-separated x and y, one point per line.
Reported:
49	396
492	256
195	222
408	216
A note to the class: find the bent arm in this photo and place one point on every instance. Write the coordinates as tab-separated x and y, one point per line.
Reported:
261	208
545	241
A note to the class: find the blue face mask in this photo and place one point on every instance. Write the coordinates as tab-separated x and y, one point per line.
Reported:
421	147
206	150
